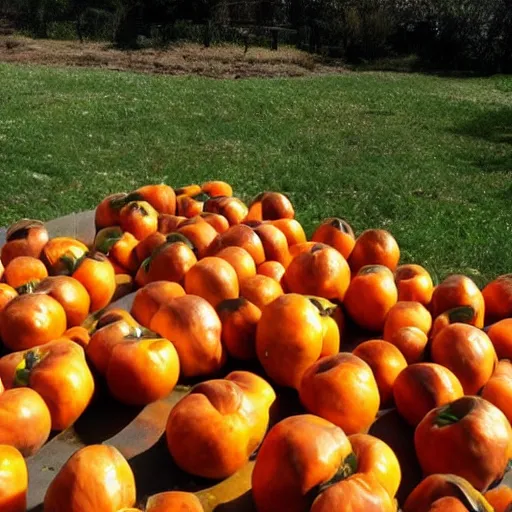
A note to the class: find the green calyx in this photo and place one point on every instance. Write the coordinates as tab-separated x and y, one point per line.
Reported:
325	307
454	412
462	314
70	262
107	238
23	371
29	287
118	202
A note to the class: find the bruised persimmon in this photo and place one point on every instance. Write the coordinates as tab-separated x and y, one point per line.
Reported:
337	233
272	269
374	247
414	284
407	314
321	271
260	290
188	207
411	342
232	208
498	299
217	188
169	223
24	238
370	296
240	260
138	218
421	387
275	205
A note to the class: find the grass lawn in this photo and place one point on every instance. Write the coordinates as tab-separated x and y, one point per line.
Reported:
426	157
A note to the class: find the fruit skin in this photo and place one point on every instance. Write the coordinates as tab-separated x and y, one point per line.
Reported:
458	290
25	421
370	296
240	260
213	430
147	300
194	328
407	314
96	477
239	319
13	480
423	386
500	335
239	236
217	188
60	255
337	233
174	501
411	342
107	211
291	229
260	290
270	206
31	320
500	498
498	299
375	457
272	269
297	455
24	238
58	372
160	196
342	389
498	389
187	206
200	234
467	352
357	493
291	329
274	243
212	278
386	362
189	190
459	314
138	218
414	284
230	207
24	269
321	271
437	487
374	247
469	437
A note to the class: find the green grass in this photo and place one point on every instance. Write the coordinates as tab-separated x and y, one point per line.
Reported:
428	158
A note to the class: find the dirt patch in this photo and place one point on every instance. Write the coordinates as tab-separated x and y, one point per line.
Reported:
227	61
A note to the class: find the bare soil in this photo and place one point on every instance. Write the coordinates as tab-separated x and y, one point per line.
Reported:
227	61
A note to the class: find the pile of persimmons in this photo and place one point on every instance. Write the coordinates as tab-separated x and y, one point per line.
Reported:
219	283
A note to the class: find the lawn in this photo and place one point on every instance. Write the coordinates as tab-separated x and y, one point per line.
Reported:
426	157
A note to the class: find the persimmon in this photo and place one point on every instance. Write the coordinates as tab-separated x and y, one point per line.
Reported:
240	260
500	335
324	453
161	197
407	314
60	255
119	246
468	437
414	283
70	293
217	188
200	234
291	229
173	500
216	221
107	212
275	205
421	387
292	329
169	223
7	293
170	261
213	430
375	457
187	206
239	319
299	248
458	290
58	372
30	320
194	328
24	238
337	233
333	323
260	290
80	335
370	296
438	487
498	299
97	275
240	236
500	498
272	269
213	279
96	477
459	314
23	270
145	248
374	247
342	389
320	271
357	492
498	389
232	208
138	218
25	420
148	299
467	352
412	342
189	190
13	480
386	362
274	243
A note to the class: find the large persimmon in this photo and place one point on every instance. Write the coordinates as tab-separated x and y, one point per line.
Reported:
414	283
374	247
337	233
